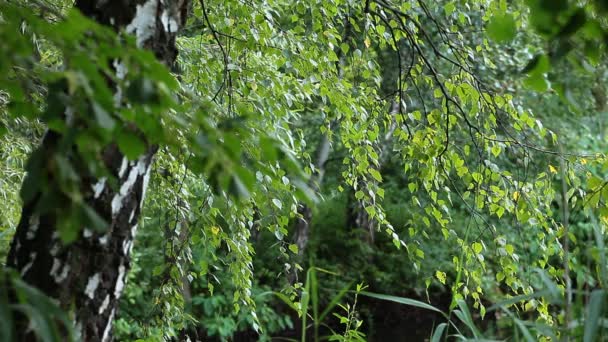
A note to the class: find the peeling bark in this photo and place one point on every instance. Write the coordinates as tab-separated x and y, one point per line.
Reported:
87	277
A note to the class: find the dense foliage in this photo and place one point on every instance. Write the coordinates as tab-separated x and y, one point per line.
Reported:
332	169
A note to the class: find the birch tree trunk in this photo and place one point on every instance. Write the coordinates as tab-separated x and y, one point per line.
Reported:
87	277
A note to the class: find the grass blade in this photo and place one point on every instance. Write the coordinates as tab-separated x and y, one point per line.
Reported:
334	301
402	300
438	334
594	312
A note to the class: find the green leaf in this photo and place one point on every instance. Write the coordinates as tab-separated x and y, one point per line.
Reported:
294	248
502	28
376	174
143	91
344	47
269	150
449	8
246	179
477	247
158	270
438	334
496	150
104	119
238	185
130	144
537	82
95	221
69	226
277	203
539	64
284	298
437	93
3	130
